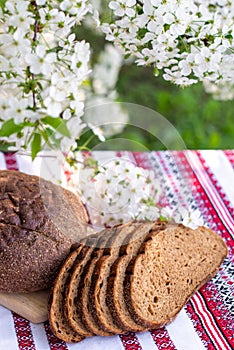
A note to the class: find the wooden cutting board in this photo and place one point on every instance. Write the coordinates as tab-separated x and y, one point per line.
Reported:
32	306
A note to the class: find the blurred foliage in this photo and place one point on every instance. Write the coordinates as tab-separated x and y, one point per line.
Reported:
201	121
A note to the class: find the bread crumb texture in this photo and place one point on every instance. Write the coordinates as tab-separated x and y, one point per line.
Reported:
172	266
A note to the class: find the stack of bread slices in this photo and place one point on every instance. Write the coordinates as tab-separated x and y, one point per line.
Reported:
132	277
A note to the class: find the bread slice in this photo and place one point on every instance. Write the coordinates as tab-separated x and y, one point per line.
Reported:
56	309
85	309
58	322
88	313
115	287
97	294
169	267
77	286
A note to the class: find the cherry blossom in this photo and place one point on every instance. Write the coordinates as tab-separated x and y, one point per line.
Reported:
42	65
123	7
40	61
184	39
188	217
116	192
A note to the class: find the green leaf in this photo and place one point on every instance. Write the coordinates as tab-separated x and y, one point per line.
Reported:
48	135
156	71
35	145
53	142
45	136
58	124
9	127
2	4
4	146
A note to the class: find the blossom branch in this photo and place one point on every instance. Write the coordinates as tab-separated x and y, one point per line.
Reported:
46	79
35	28
176	40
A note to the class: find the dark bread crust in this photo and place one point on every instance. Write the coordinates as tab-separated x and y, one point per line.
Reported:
20	270
57	319
211	270
76	283
39	221
88	315
56	305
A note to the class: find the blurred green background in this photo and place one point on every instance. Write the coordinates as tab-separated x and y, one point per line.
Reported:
202	121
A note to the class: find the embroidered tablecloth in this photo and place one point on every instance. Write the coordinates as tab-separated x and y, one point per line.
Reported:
203	179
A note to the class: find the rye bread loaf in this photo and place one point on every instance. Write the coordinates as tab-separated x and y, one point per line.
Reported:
97	293
78	286
169	267
39	221
115	287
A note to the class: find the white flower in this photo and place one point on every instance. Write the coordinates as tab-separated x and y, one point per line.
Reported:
221	91
4	63
21	18
119	192
14	45
97	131
76	8
54	102
18	109
202	60
123	7
184	39
149	213
42	66
166	213
190	218
187	65
41	2
75	125
80	59
41	61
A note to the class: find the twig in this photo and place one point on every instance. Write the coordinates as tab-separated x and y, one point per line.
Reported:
36	25
139	3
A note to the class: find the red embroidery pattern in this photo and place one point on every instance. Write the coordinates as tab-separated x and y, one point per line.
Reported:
54	342
169	169
208	210
162	339
130	341
221	315
143	161
23	333
197	323
210	294
230	156
216	185
11	163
